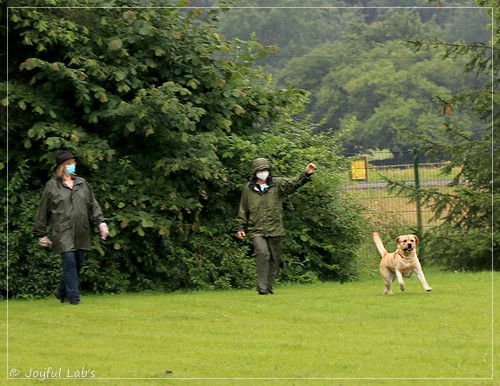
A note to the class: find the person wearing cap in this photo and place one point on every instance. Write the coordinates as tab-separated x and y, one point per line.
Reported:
261	214
66	210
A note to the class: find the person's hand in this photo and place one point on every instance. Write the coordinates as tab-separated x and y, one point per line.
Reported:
241	235
44	242
310	168
103	229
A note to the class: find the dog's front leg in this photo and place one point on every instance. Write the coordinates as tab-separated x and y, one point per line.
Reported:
402	286
421	277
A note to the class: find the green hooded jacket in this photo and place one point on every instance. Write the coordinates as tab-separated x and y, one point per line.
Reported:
67	214
261	211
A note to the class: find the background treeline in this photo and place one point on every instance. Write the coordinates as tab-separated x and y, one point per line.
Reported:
166	114
365	80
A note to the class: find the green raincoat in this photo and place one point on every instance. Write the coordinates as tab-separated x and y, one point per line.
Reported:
261	212
67	215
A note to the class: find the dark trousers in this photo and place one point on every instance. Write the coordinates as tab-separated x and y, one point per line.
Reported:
268	252
72	263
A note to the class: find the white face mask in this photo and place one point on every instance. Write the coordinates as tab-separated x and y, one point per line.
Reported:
262	175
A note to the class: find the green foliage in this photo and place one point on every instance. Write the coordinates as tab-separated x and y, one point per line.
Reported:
383	92
474	252
287	26
321	246
165	116
30	270
467	239
361	66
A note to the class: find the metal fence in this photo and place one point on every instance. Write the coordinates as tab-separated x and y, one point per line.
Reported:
386	209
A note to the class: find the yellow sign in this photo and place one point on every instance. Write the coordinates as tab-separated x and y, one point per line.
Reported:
359	169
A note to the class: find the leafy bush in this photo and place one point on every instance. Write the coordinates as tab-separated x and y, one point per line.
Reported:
448	247
165	117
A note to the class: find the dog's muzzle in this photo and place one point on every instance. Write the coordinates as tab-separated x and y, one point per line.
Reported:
408	248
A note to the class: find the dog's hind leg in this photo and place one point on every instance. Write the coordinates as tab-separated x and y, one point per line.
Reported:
388	277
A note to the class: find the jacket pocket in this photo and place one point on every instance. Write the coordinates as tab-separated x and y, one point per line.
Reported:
62	226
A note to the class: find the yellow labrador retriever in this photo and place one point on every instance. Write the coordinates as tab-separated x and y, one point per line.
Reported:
403	262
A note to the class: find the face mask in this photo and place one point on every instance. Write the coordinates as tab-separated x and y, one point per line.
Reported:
262	175
70	169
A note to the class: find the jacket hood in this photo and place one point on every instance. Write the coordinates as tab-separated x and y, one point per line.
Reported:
259	164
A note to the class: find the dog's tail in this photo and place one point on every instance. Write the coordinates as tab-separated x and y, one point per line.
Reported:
379	244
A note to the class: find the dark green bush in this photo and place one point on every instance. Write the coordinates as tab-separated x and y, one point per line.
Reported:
165	117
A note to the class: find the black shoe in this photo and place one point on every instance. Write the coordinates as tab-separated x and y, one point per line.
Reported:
61	298
270	291
262	292
74	302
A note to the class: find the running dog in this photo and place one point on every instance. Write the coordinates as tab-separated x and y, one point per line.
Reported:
402	263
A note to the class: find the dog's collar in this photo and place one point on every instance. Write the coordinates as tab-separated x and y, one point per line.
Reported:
403	256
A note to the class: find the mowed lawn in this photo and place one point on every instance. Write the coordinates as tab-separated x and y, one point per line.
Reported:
324	333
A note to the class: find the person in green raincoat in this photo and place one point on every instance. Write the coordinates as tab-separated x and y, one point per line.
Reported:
260	216
63	221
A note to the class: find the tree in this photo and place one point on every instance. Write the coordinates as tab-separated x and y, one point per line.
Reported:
164	113
467	238
378	80
289	26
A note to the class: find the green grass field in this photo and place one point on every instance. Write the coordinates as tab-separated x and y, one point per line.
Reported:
324	333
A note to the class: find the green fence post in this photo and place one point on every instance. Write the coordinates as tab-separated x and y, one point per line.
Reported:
417	200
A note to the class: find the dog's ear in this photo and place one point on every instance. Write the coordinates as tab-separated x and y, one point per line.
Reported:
397	239
416	239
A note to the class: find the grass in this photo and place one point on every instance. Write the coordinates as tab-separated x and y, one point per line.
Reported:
407	173
325	333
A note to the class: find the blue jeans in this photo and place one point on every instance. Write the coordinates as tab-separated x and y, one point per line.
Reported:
72	263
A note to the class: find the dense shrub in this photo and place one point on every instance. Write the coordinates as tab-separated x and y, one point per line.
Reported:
165	117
